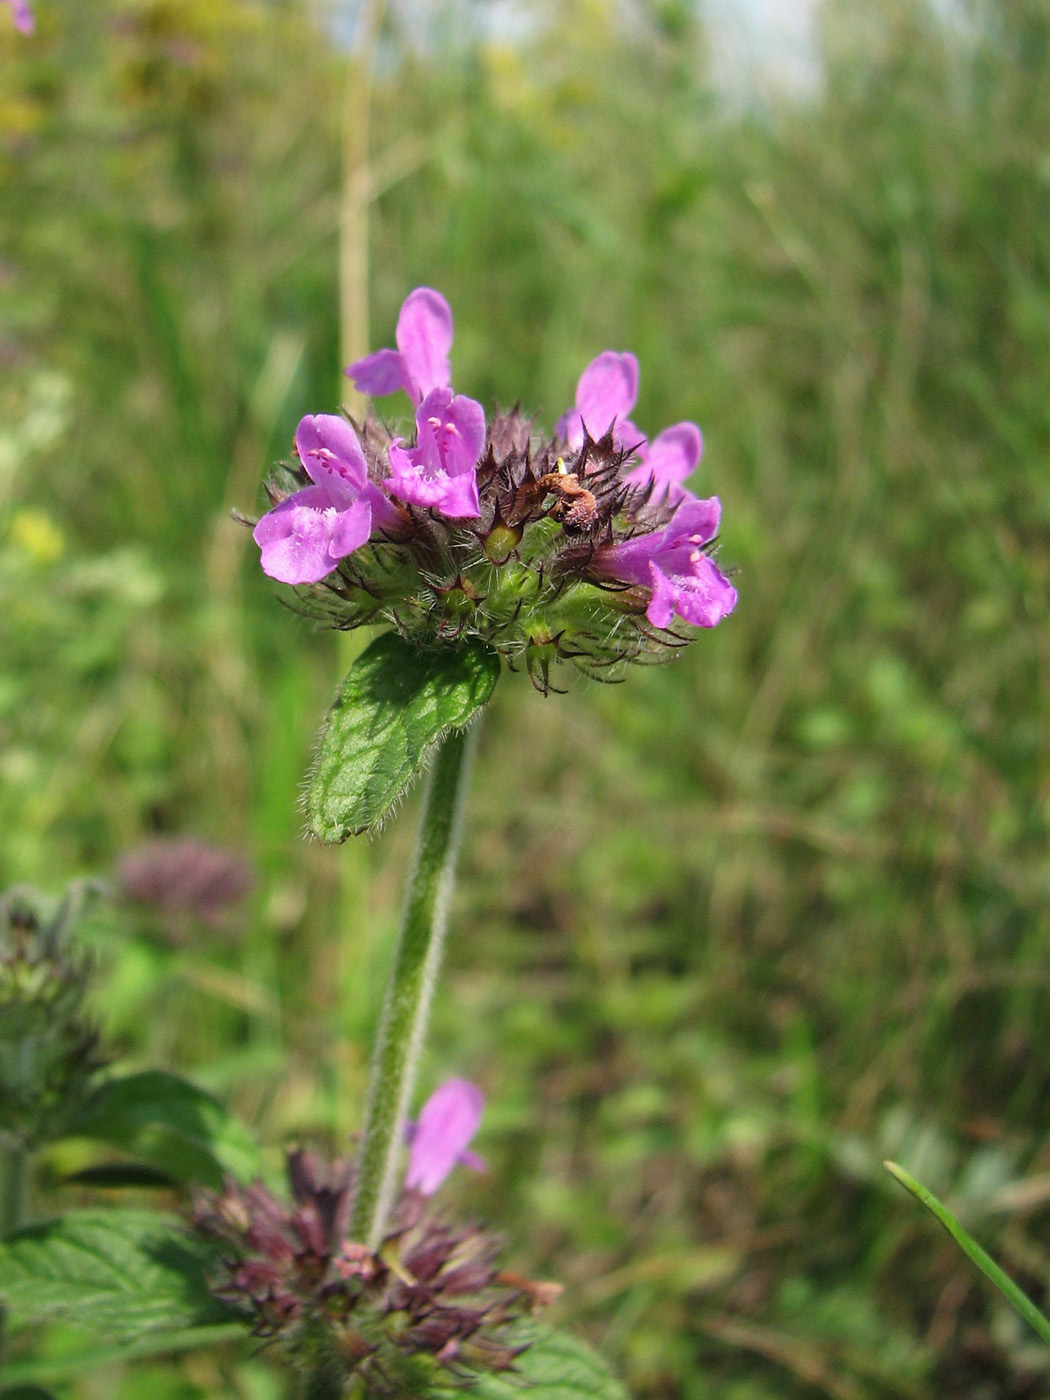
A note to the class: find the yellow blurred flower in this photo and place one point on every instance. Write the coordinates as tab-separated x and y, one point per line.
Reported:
36	535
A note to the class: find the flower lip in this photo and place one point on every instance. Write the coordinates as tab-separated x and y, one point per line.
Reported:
439	1140
330	452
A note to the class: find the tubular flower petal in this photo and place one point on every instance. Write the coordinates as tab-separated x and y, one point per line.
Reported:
304	537
672	562
447	1122
420	363
439	471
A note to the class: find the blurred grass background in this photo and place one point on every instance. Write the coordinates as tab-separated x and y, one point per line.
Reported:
725	936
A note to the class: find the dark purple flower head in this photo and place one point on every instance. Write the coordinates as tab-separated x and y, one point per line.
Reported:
304	537
439	472
447	1123
181	875
420	362
23	16
673	563
432	1288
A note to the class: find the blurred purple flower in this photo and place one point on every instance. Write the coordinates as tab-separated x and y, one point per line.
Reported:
673	563
184	876
447	1122
23	16
605	395
303	539
439	471
420	362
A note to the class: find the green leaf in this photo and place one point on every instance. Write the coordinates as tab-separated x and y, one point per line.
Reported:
114	1175
556	1365
991	1270
25	1392
167	1121
88	1358
118	1273
394	706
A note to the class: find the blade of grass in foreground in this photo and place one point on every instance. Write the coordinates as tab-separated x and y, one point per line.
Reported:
973	1250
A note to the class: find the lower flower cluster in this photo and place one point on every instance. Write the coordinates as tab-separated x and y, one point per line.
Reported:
430	1296
49	1048
583	547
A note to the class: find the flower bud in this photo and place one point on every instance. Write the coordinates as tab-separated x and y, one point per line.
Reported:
501	542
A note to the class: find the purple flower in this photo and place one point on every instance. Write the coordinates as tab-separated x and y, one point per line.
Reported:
672	562
447	1122
420	362
667	461
605	395
439	471
23	16
303	539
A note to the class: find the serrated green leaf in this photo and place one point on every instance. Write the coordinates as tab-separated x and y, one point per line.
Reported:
393	707
556	1365
169	1122
119	1273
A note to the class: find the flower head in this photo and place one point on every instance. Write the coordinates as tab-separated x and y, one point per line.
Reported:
583	547
49	1048
23	16
447	1122
304	537
432	1291
420	362
182	876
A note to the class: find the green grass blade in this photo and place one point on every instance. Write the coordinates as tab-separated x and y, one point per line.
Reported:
973	1250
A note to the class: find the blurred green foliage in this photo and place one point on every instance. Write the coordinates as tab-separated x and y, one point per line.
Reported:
725	936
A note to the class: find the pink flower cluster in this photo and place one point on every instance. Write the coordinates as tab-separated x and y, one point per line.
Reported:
306	535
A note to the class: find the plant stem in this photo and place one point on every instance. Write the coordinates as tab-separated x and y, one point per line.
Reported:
14	1181
325	1382
411	986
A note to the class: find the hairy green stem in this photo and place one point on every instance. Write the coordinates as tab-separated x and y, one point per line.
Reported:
14	1183
411	986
